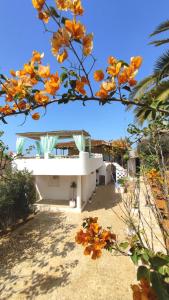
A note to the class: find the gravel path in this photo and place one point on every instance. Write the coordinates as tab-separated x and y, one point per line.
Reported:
40	260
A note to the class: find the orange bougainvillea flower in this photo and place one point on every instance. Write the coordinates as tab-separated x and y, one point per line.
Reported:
44	16
98	75
21	105
8	98
62	56
36	56
44	71
38	4
136	62
36	116
76	29
41	97
6	109
84	80
114	69
94	227
82	238
60	39
112	60
102	94
108	85
122	78
80	87
13	73
29	69
132	82
76	7
63	4
53	84
88	44
143	291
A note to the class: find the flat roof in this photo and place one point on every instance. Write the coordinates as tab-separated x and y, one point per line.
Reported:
62	134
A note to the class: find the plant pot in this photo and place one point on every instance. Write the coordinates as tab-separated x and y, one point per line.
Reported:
72	203
121	189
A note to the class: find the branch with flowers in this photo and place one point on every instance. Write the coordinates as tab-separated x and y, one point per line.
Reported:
34	86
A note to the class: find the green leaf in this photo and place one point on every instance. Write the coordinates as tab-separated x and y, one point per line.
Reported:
159	286
2	93
127	88
135	258
3	77
143	272
157	261
53	12
124	245
73	84
163	270
63	76
63	20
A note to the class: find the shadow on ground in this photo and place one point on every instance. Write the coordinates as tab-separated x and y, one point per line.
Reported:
33	246
99	201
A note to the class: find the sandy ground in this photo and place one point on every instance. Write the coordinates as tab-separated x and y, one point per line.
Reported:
40	260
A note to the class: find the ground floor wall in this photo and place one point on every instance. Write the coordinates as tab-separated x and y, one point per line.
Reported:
105	172
55	187
58	188
88	186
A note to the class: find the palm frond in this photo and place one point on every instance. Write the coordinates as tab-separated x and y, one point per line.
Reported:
162	65
143	114
164	26
143	87
159	42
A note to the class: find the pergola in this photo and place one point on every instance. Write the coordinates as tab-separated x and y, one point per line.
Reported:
97	146
48	140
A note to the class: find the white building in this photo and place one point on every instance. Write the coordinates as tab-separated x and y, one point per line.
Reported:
62	178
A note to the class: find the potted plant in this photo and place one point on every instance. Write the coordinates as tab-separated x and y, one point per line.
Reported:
121	185
72	202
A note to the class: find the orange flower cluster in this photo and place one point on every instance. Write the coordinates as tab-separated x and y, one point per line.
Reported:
73	30
43	15
20	90
94	238
80	84
143	291
118	73
75	6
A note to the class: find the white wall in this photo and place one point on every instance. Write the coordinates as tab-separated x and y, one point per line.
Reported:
106	171
57	189
88	186
61	166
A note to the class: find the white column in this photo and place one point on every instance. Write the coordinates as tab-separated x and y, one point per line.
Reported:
79	192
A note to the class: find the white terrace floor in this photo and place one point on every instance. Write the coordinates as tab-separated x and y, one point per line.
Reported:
40	260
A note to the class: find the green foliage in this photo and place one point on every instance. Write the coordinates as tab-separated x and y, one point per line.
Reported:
154	268
17	195
153	91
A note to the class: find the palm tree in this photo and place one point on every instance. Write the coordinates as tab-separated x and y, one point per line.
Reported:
154	89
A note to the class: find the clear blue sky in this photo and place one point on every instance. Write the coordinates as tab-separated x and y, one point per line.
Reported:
121	28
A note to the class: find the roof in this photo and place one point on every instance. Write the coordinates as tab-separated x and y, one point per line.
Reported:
68	145
63	134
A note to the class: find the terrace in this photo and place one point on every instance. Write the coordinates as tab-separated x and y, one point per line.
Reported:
46	162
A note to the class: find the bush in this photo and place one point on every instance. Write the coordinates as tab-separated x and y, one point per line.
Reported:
17	195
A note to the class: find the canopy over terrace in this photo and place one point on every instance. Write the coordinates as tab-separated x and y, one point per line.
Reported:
48	140
97	146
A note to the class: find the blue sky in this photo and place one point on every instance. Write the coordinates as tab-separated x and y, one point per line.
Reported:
121	28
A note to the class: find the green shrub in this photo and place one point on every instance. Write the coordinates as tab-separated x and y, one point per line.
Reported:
17	195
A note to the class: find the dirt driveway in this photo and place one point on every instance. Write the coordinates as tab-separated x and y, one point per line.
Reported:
40	260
